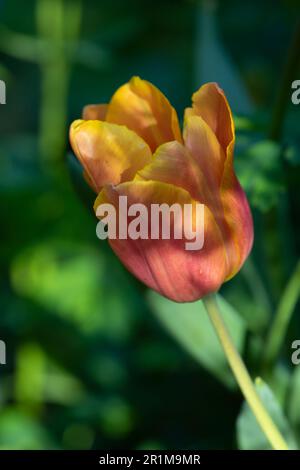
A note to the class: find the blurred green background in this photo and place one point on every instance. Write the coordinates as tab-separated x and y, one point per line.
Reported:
93	359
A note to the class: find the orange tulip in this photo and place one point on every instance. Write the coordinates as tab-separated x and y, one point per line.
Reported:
134	147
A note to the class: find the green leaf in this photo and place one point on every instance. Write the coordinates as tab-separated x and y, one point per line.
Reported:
259	169
292	154
21	431
294	398
249	433
79	283
189	324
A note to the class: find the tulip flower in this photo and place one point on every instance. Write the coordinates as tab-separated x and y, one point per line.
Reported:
134	147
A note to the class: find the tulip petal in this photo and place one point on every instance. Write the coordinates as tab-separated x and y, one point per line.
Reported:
203	144
238	217
172	163
210	103
94	111
109	153
141	107
165	265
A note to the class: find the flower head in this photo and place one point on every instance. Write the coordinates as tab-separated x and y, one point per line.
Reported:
134	147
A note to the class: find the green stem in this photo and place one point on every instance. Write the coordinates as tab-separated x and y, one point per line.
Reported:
58	24
242	376
282	318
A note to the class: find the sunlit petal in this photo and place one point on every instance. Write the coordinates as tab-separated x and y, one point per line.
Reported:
144	109
109	153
